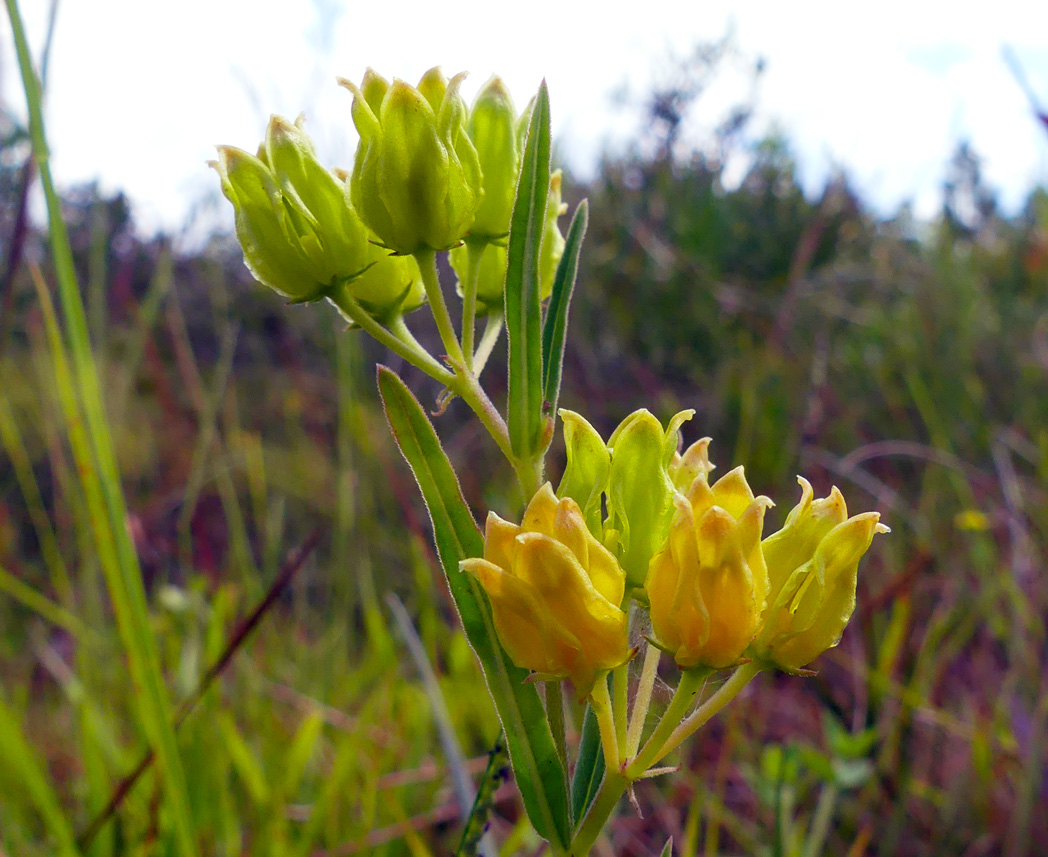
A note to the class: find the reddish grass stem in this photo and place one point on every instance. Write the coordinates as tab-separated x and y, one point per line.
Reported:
240	634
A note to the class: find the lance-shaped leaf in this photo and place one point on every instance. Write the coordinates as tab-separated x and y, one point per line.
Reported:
589	768
540	775
555	327
523	313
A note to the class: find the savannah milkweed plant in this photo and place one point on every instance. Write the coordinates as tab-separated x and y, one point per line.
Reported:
635	532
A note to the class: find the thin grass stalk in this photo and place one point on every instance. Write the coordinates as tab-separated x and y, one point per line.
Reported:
123	575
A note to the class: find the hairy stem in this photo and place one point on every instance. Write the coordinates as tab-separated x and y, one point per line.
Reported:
725	694
487	341
600	701
427	264
613	787
397	339
643	699
687	688
474	252
620	683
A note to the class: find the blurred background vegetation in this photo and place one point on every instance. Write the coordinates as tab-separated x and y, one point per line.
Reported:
905	362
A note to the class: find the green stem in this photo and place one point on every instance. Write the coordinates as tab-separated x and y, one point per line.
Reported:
427	264
821	820
466	385
397	339
620	684
600	702
642	701
399	328
464	382
555	716
474	253
688	686
613	787
725	694
487	342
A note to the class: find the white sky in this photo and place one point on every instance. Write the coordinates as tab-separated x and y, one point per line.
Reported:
140	91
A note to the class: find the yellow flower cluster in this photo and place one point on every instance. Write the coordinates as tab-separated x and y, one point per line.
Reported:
717	593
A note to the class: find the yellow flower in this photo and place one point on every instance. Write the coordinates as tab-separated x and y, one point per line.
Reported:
707	585
555	592
813	563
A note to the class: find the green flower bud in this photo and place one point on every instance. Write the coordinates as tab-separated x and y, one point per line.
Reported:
640	488
491	278
492	128
589	464
296	228
390	286
416	178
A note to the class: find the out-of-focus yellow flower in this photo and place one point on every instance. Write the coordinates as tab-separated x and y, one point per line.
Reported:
812	563
971	521
707	585
555	592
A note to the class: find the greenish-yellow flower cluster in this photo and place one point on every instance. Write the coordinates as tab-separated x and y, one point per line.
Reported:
692	550
429	175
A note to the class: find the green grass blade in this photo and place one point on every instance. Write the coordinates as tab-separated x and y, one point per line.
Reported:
11	439
555	327
523	313
18	757
589	768
40	604
102	483
540	776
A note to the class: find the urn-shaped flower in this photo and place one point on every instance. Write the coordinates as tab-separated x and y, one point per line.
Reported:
555	592
708	583
296	228
813	565
416	178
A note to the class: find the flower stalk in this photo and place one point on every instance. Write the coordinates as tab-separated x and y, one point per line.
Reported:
705	712
642	701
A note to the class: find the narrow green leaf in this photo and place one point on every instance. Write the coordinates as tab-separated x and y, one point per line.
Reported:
300	752
19	759
243	760
40	604
85	414
589	769
540	776
523	313
667	849
555	327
